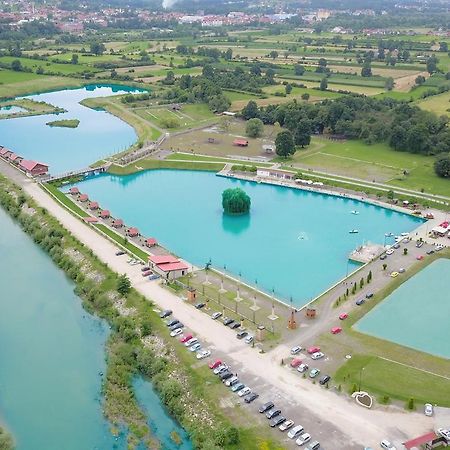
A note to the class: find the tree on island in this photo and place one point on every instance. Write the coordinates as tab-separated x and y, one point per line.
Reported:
284	144
235	201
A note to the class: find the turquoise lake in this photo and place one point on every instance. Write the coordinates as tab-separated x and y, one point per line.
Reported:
99	133
11	110
416	314
293	241
52	354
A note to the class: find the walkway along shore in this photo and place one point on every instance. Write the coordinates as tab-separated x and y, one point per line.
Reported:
360	426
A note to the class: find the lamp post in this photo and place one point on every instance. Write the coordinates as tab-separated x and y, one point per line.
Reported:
360	378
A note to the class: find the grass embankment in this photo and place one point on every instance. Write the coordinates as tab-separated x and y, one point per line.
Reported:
146	164
406	374
31	107
139	344
143	128
66	123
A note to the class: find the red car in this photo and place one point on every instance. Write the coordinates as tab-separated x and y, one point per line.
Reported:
215	364
343	316
420	257
336	330
312	350
296	362
186	338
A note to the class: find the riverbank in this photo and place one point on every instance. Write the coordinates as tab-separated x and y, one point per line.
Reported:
30	107
6	441
139	342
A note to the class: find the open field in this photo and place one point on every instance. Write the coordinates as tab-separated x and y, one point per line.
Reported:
47	66
439	104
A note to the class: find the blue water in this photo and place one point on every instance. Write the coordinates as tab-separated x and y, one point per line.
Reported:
295	242
161	424
5	110
416	314
51	353
98	135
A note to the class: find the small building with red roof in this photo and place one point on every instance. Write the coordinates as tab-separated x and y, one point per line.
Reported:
105	214
117	223
83	198
33	168
93	206
430	440
240	142
168	266
16	159
74	191
151	242
4	152
133	232
162	259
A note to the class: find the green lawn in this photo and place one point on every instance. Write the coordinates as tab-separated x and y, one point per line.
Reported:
439	104
67	202
381	377
188	157
233	96
47	66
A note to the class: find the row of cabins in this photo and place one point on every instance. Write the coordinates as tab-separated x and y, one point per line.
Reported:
32	168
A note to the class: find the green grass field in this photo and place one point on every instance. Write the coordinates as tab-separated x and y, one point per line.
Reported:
439	104
47	66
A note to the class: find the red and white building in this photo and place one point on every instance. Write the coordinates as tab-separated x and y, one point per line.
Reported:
168	266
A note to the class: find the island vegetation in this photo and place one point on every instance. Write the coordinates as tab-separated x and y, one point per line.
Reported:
6	441
65	123
235	201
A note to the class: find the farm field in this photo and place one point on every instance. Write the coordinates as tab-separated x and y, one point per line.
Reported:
439	104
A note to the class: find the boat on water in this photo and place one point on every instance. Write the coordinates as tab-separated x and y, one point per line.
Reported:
354	212
353	231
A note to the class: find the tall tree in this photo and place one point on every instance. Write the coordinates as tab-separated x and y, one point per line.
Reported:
250	111
442	166
302	134
284	144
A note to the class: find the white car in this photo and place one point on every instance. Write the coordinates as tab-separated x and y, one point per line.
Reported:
245	391
317	355
296	350
303	439
249	339
203	354
295	432
389	251
190	342
444	433
387	445
176	332
428	409
286	425
220	369
231	381
196	347
302	368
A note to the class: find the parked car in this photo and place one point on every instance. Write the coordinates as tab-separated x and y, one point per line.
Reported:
171	322
343	316
277	421
295	432
394	274
195	347
419	244
314	373
286	425
444	433
200	305
216	315
176	326
336	330
120	253
428	409
227	321
234	325
176	332
296	362
244	392
215	364
430	252
191	341
302	368
369	295
203	354
249	339
324	380
237	387
361	301
265	407
147	273
387	445
225	375
231	381
383	256
312	350
165	313
303	439
401	270
251	397
186	338
396	245
296	350
315	445
153	277
390	251
241	334
317	355
419	257
273	413
220	369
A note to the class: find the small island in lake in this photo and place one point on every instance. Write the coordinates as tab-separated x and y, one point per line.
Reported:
235	201
67	123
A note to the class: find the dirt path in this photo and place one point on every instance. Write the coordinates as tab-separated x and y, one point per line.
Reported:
404	84
361	427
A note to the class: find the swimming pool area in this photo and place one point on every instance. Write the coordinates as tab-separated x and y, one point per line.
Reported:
417	313
293	242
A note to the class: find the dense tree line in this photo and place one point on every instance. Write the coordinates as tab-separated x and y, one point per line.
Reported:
403	126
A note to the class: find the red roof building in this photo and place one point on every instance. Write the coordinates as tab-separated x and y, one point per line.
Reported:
173	266
15	158
240	142
93	206
83	198
162	259
33	168
105	214
5	152
421	440
133	232
151	242
74	191
117	223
